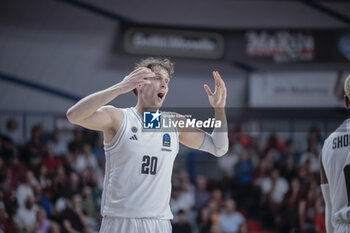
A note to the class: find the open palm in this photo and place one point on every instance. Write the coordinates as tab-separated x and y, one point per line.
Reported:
218	98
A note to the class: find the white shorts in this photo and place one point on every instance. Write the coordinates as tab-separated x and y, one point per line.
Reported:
134	225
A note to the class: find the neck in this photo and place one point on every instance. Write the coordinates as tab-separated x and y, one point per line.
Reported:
141	108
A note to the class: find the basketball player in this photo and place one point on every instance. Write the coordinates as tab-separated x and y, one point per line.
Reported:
335	174
137	182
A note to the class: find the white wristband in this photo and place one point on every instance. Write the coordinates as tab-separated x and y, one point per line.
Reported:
215	143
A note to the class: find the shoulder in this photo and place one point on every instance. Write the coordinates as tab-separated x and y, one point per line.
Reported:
111	109
343	128
115	113
116	116
329	139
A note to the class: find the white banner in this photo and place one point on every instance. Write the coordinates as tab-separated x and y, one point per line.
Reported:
297	89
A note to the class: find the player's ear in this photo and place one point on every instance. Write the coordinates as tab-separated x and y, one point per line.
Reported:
346	102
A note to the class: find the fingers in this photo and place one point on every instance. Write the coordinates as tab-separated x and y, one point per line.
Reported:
218	80
221	80
140	69
143	76
141	82
219	85
144	71
141	73
146	81
136	70
207	89
215	78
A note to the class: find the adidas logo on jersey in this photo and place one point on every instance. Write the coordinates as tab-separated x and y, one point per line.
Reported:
133	137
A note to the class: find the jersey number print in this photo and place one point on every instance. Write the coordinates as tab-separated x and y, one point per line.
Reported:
149	165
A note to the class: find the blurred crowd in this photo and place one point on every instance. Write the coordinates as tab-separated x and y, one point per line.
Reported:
49	185
264	182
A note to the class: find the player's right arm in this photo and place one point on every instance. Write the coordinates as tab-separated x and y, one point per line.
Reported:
91	112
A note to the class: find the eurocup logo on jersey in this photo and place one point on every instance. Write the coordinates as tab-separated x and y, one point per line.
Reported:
152	120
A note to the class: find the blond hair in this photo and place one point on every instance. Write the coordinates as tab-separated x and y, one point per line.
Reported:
152	62
347	87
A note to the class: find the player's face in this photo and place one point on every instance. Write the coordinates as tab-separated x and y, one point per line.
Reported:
153	94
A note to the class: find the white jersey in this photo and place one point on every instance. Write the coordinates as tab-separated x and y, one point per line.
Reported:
137	182
336	163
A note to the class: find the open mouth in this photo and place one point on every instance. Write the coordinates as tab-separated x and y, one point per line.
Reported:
160	95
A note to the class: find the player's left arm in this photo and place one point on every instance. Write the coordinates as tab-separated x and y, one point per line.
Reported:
215	143
326	197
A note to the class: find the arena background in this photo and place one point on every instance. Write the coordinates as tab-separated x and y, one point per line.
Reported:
276	57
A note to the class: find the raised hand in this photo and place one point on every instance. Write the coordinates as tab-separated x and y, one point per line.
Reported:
218	98
136	78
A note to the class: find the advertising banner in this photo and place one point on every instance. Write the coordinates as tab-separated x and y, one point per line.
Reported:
278	46
169	42
297	89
